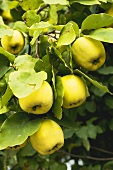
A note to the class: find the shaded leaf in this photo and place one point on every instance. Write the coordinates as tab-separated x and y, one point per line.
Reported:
4	65
95	83
86	144
108	166
105	70
57	166
91	106
68	133
16	129
57	106
109	102
58	55
44	65
82	132
111	124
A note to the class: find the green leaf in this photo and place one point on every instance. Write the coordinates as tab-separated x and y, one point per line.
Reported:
66	122
21	26
16	129
58	55
35	36
4	65
57	106
67	35
4	109
68	133
25	63
41	26
27	150
5	30
30	17
94	82
105	70
63	2
13	4
102	34
1	21
109	102
75	27
86	144
111	124
10	56
6	97
82	132
92	131
108	166
29	5
95	21
44	65
53	16
87	2
23	83
91	106
57	166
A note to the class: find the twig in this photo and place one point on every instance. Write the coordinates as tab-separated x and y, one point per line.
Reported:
41	8
86	157
102	150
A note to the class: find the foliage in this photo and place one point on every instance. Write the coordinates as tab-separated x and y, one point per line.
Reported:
49	28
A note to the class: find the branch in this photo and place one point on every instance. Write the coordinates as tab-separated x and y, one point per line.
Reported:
86	157
102	150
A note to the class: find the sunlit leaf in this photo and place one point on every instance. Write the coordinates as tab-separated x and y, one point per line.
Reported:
67	35
95	21
29	5
6	97
102	34
4	30
63	2
21	26
30	17
22	83
10	56
87	2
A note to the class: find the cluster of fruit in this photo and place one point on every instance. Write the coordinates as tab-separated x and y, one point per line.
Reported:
88	54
